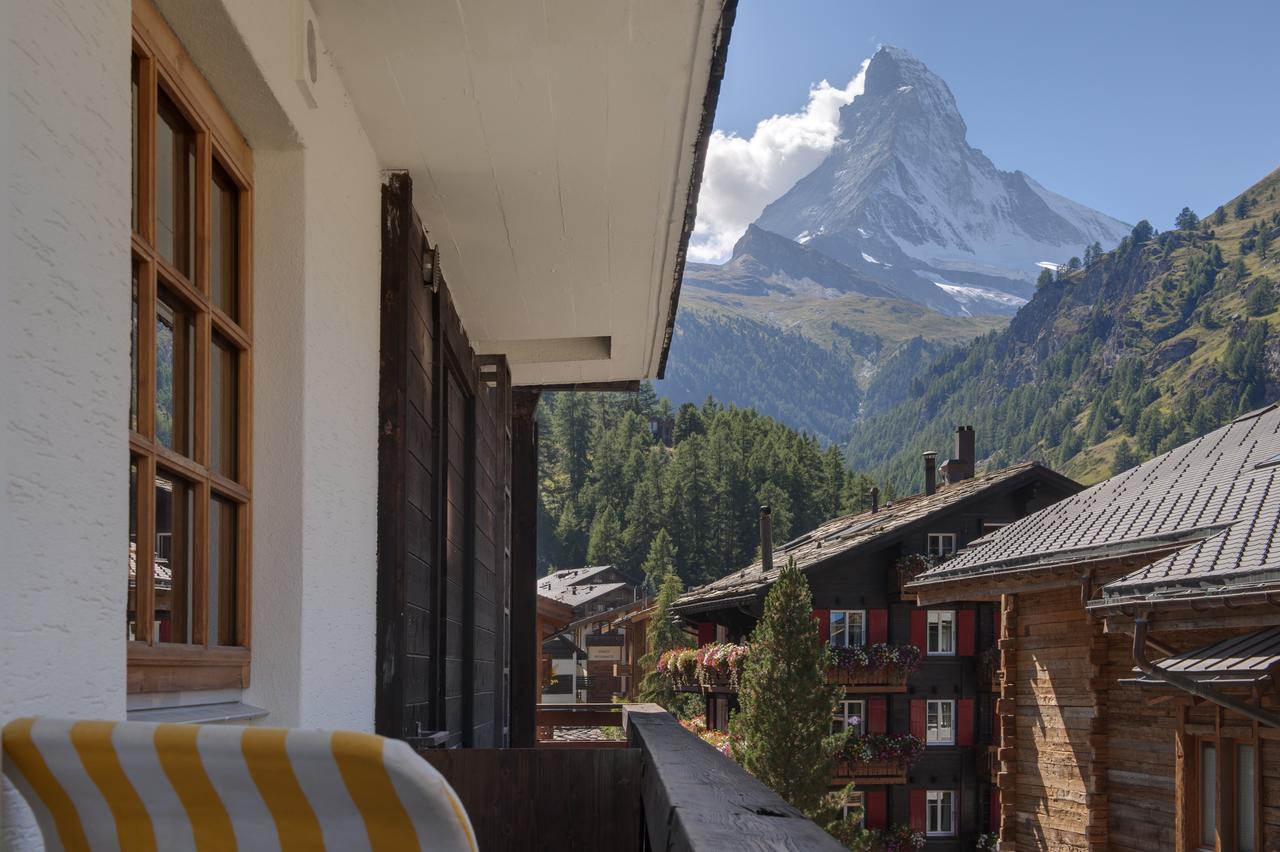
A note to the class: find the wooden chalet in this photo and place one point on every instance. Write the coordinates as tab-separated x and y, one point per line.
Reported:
1139	648
855	566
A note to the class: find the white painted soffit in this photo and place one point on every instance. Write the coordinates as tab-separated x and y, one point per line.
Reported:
555	149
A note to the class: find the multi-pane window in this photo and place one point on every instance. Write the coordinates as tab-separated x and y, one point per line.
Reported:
1226	794
848	627
189	401
940	722
850	716
940	813
942	545
853	804
941	629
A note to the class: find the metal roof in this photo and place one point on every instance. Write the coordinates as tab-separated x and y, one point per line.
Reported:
1210	490
847	533
1236	661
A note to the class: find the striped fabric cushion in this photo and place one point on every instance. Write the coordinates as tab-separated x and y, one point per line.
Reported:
156	788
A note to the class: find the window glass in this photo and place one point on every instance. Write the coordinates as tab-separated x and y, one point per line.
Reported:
941	638
1245	799
940	723
175	374
222	571
853	804
850	716
1208	794
224	272
940	812
847	627
137	173
175	186
133	355
942	545
131	613
224	385
174	525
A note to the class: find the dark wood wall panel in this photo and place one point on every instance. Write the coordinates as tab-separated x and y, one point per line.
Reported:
444	486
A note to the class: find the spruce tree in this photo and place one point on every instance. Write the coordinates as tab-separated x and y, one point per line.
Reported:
782	734
1186	220
660	562
605	544
664	635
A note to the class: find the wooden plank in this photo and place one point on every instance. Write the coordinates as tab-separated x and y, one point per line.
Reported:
578	800
523	641
697	799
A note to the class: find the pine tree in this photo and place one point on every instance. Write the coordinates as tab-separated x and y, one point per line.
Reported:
1220	216
660	562
605	545
1186	220
782	733
664	634
1125	458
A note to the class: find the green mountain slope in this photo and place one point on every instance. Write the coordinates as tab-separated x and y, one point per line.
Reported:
1162	339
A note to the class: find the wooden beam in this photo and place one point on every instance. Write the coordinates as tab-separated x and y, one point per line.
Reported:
524	567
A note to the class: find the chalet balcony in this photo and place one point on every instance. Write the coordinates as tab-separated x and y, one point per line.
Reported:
717	668
877	758
654	786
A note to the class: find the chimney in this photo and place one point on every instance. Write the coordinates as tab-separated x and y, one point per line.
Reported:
960	465
875	500
930	472
766	538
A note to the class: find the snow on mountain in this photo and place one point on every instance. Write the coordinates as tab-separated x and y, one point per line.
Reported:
902	192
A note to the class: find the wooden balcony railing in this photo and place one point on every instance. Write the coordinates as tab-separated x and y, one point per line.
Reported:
662	788
872	772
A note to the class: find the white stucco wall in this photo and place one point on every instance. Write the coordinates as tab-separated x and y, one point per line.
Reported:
64	380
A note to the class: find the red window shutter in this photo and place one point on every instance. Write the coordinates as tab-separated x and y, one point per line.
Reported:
917	810
964	627
918	628
877	626
964	722
877	716
917	717
873	804
706	633
824	624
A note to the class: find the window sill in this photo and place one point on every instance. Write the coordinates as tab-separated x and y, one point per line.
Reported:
199	714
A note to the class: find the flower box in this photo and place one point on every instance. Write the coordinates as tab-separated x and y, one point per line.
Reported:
872	665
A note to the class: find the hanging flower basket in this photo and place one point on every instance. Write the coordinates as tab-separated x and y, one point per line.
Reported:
719	665
877	755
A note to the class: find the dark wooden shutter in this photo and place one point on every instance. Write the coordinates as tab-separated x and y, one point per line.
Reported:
918	630
873	804
917	810
993	818
964	631
877	715
917	717
706	633
997	622
964	722
824	624
877	626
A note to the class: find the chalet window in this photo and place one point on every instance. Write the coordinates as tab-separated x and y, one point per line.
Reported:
941	640
940	722
187	619
941	545
848	627
850	716
940	813
1226	794
853	802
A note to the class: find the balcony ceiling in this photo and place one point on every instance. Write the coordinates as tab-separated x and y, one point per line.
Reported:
553	147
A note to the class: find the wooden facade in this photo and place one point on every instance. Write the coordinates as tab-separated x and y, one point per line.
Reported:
445	504
867	579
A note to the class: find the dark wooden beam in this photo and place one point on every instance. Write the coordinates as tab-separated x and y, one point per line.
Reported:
524	567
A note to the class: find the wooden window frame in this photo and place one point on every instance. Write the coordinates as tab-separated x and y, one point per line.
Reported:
928	635
950	832
862	621
1225	735
940	553
842	715
940	743
854	799
154	666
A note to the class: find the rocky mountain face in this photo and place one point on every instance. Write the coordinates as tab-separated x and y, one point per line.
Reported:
904	199
1164	338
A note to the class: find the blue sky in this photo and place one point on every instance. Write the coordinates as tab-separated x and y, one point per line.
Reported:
1133	108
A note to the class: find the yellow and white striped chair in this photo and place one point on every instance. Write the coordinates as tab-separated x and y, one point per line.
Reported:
170	788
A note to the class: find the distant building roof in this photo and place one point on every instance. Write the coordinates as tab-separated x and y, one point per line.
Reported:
1219	494
577	586
850	532
1246	660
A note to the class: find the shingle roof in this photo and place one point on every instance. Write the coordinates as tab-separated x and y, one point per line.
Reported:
843	534
1215	490
578	595
553	584
1235	661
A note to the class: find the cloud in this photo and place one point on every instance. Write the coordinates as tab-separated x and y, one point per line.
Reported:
741	176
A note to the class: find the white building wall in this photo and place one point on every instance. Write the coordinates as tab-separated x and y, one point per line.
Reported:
64	380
